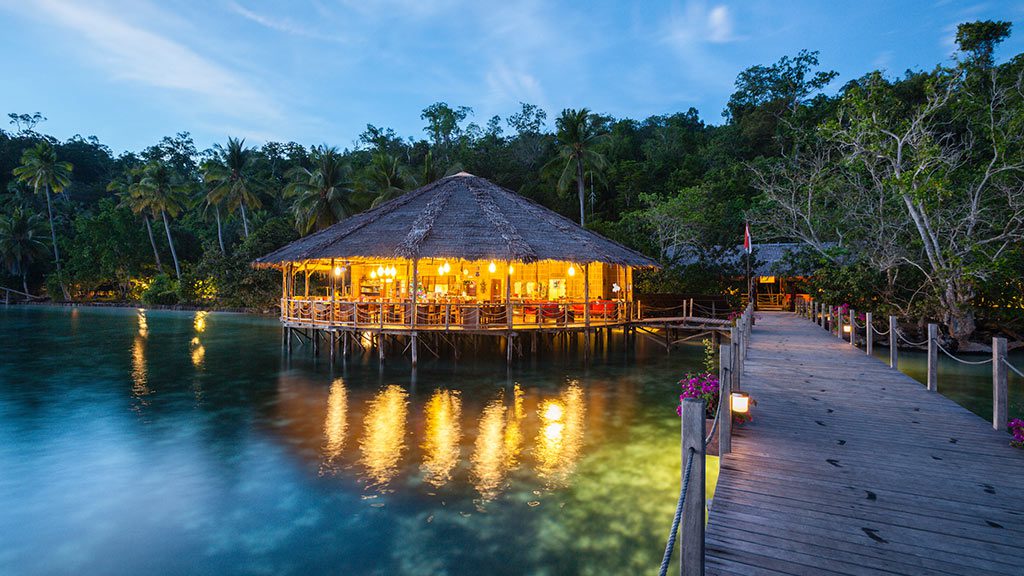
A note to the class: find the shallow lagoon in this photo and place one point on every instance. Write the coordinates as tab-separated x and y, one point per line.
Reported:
185	443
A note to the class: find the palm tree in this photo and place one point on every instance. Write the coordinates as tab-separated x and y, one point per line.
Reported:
322	193
384	178
231	181
126	186
211	172
165	195
577	137
40	168
22	242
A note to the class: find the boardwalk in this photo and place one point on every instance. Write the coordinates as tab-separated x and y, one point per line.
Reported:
854	468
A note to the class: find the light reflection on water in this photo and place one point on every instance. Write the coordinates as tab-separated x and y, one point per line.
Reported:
171	442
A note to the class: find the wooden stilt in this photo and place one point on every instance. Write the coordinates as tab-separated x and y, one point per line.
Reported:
412	348
380	346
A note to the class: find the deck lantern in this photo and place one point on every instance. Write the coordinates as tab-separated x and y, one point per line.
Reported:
740	403
846	328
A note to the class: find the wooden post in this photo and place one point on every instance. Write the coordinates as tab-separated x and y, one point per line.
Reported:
413	352
893	348
999	379
288	340
586	308
734	355
869	334
380	346
839	324
726	376
691	545
344	344
933	357
853	328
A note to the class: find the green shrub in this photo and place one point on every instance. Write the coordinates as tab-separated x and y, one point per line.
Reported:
163	291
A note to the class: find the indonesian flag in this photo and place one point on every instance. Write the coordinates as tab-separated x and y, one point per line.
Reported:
747	244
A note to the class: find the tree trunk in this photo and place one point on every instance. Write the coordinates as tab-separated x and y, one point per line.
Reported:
245	220
174	254
152	242
56	250
220	233
580	187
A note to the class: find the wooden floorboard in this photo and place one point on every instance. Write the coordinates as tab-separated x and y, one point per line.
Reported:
850	467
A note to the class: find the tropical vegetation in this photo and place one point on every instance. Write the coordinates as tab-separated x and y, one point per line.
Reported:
906	191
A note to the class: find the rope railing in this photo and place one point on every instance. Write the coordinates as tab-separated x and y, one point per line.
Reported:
671	544
1012	367
690	507
961	360
828	317
908	342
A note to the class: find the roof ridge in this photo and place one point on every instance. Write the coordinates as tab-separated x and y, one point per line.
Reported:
424	224
508	232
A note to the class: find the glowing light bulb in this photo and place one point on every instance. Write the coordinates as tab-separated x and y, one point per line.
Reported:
447	267
337	270
572	270
492	268
380	271
373	275
465	271
511	270
440	270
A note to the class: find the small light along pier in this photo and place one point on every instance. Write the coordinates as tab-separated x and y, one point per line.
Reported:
850	466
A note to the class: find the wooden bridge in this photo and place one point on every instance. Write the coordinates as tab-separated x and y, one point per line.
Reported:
851	467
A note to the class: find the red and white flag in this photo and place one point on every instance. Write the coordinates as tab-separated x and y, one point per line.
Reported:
747	244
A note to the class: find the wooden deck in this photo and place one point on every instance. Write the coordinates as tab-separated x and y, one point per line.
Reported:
853	468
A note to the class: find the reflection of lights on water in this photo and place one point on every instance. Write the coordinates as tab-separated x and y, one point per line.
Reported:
199	322
335	423
143	326
441	436
140	378
198	352
561	435
497	446
384	435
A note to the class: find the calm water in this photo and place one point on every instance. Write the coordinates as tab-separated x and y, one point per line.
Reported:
183	443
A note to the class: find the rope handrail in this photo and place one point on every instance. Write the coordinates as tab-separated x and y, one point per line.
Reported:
1012	367
879	332
670	545
904	338
714	425
960	360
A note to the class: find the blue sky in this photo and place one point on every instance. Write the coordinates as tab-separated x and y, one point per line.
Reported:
317	71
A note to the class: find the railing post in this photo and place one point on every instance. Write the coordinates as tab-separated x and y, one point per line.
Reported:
893	348
726	376
869	334
839	324
999	380
933	357
735	334
853	328
691	549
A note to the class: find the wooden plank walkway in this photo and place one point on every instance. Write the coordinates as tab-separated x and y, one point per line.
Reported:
851	467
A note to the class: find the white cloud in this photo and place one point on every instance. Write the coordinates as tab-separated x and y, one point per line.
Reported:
507	85
697	24
280	24
132	53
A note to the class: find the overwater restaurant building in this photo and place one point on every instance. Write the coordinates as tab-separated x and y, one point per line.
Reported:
460	254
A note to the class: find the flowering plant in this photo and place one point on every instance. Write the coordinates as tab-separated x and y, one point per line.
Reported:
844	309
703	386
1017	428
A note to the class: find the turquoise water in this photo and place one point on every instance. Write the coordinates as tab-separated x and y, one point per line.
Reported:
185	443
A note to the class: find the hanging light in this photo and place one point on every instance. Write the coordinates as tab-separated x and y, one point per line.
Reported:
440	270
393	272
380	271
337	270
373	275
572	270
465	271
492	267
740	403
447	267
511	269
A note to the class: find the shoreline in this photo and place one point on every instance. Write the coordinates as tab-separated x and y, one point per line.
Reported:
177	307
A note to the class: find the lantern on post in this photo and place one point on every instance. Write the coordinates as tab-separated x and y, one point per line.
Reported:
740	402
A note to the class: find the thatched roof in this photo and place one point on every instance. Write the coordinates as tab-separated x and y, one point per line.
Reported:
461	216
